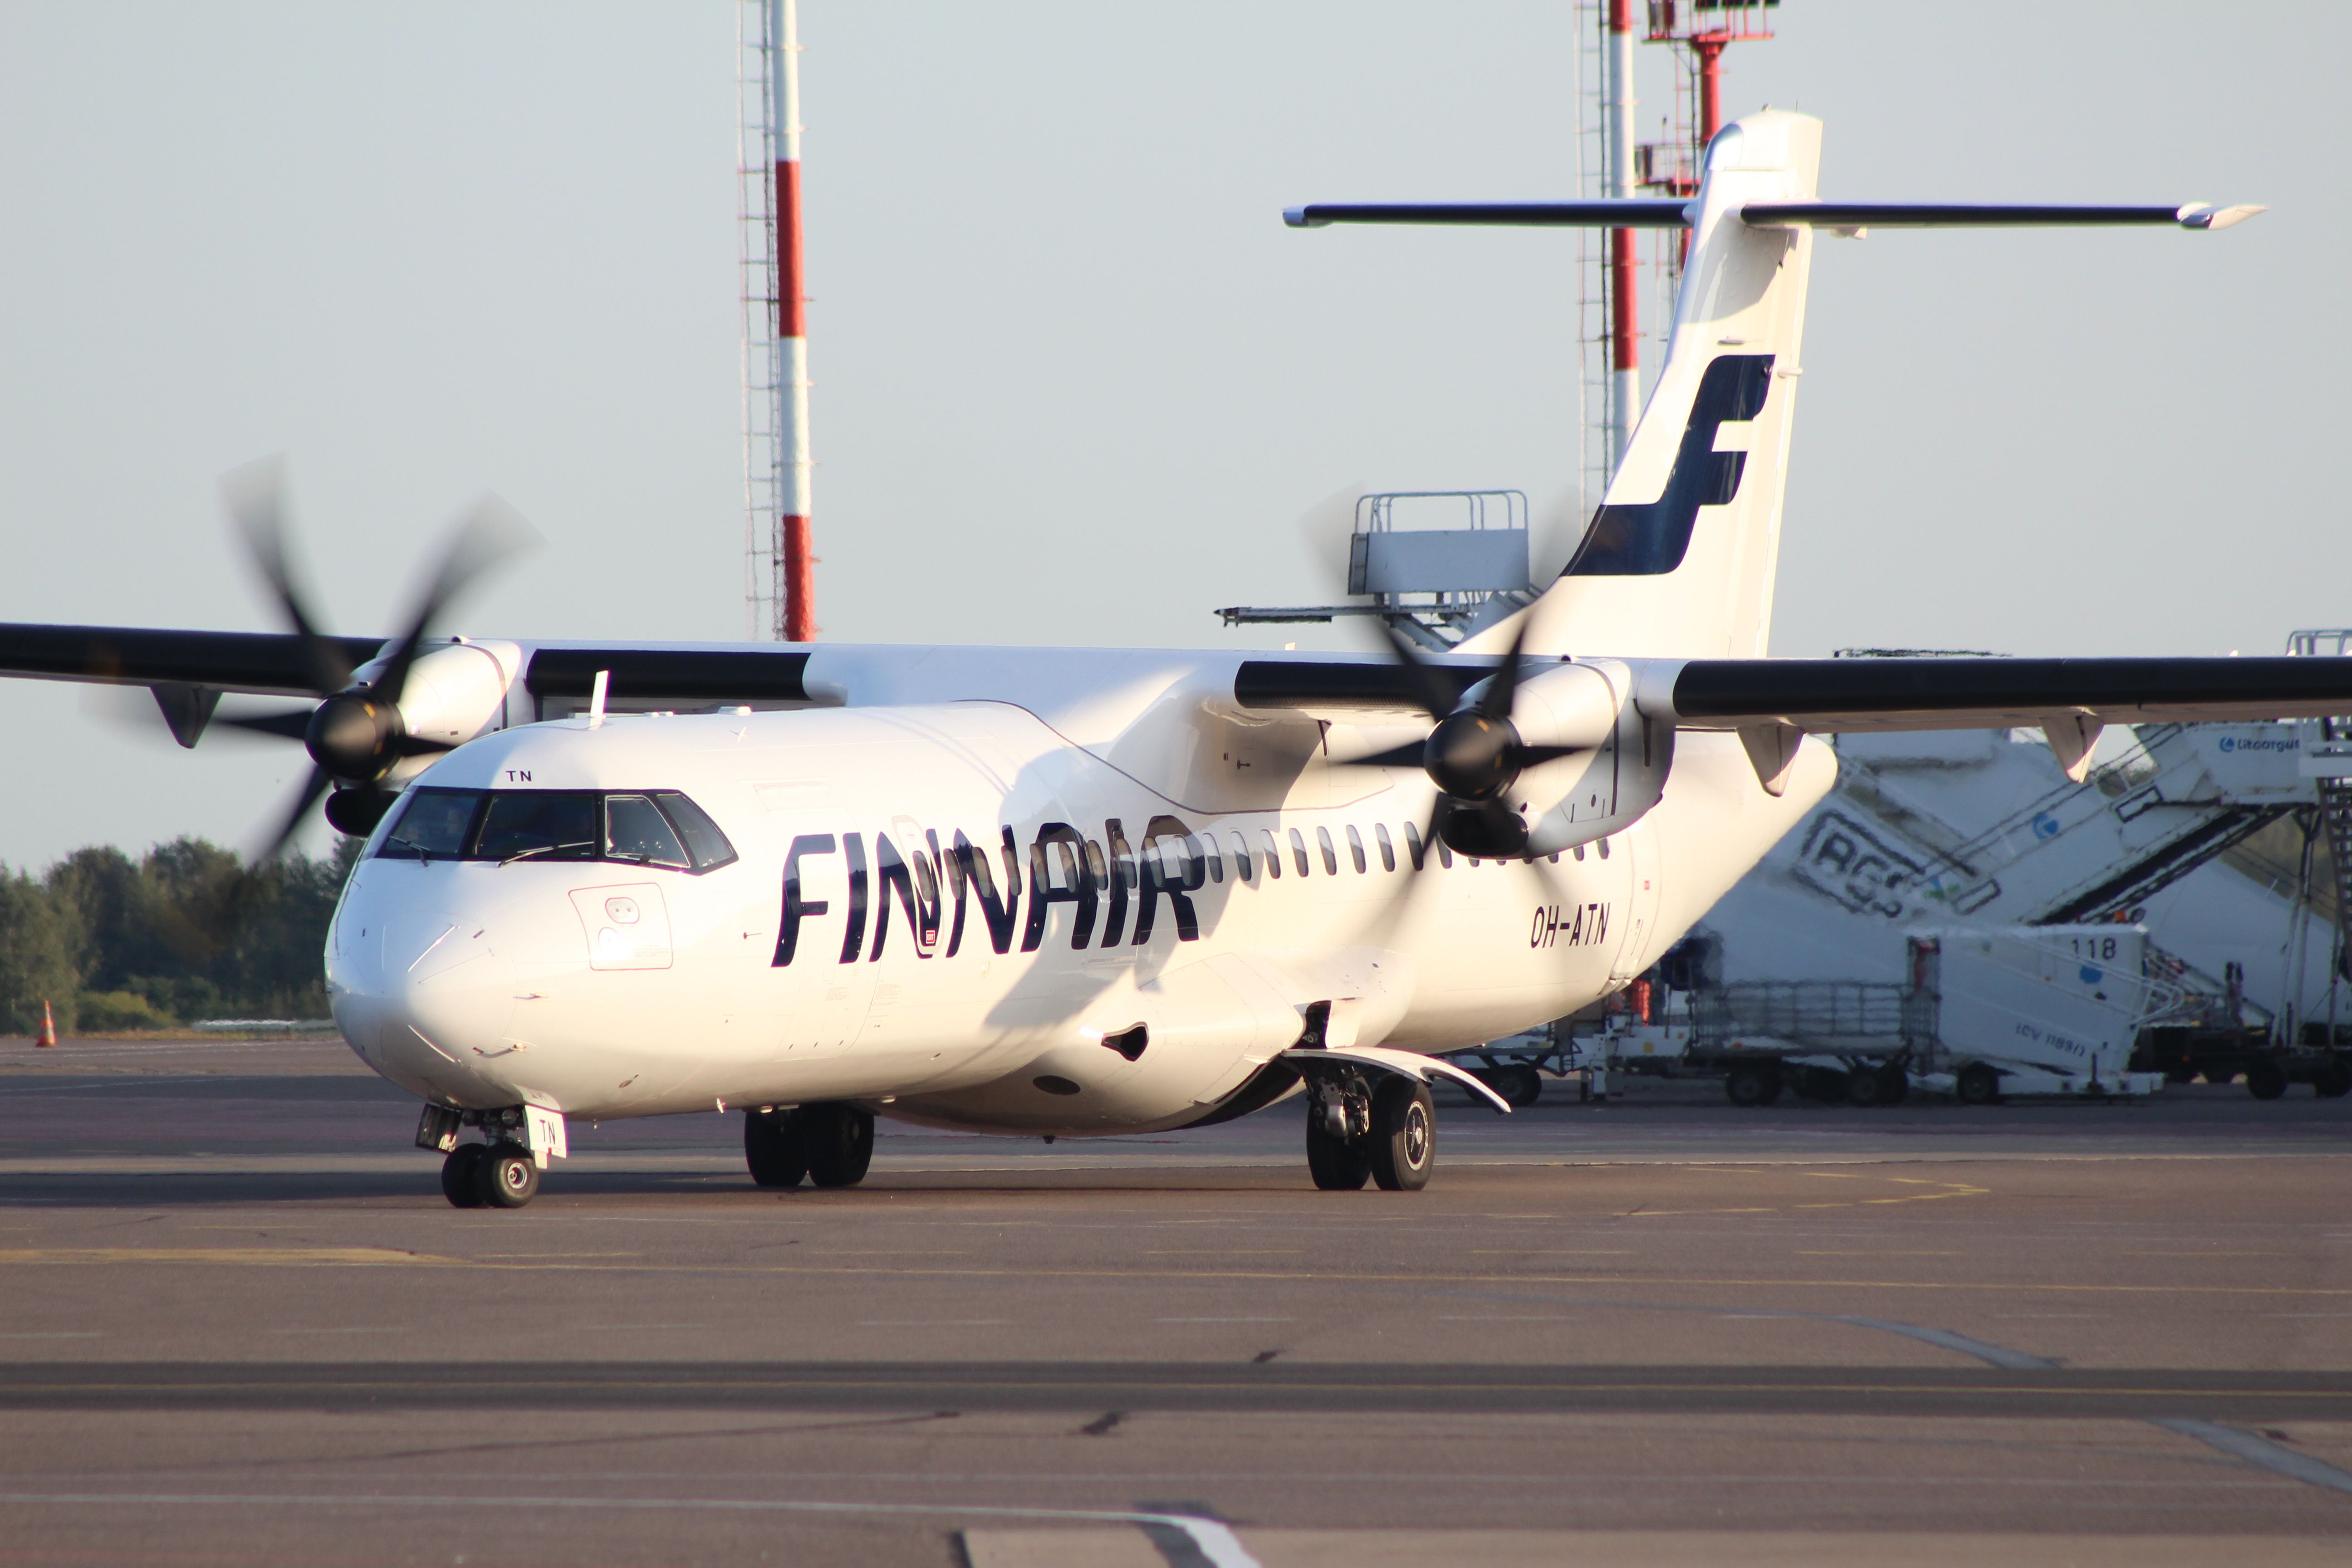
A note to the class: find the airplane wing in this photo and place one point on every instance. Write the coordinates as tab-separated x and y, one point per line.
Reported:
1773	703
1826	695
263	663
279	664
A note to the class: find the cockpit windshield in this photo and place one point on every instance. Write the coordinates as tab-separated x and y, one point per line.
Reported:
643	827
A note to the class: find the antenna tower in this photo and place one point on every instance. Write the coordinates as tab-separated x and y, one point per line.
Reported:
778	564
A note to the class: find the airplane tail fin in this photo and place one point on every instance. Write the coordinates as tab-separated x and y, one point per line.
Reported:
1678	561
1679	558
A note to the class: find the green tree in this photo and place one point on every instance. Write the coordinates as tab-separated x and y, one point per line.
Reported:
36	962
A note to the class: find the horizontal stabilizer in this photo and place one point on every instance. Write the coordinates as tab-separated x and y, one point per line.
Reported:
1624	212
1847	217
1989	214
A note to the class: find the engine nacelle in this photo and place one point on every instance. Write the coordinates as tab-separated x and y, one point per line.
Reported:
1617	771
454	693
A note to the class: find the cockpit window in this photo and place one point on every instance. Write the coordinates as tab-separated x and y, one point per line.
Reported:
639	827
433	825
703	840
543	824
635	830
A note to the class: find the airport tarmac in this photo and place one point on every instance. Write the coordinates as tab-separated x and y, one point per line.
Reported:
241	1325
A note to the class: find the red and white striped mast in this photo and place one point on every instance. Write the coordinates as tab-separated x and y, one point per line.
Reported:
796	555
1624	402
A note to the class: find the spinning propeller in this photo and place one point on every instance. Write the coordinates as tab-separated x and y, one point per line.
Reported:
1474	753
356	734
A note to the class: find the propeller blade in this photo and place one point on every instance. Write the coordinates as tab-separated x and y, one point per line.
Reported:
1431	690
291	724
1535	756
257	502
1504	684
422	746
1405	756
313	788
487	536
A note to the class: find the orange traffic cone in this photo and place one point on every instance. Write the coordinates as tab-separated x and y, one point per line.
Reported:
48	1036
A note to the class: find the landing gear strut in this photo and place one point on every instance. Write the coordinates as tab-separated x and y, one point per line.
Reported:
1356	1130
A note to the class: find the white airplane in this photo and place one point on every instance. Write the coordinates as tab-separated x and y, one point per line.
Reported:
1087	892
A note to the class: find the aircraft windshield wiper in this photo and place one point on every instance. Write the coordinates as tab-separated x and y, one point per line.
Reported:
547	849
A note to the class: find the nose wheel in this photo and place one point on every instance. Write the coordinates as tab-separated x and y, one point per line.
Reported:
501	1175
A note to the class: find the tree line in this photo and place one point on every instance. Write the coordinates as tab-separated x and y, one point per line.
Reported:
187	932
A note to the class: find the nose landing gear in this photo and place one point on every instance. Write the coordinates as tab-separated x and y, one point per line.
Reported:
501	1175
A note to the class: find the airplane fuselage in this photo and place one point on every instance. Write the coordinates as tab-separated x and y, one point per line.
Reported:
955	913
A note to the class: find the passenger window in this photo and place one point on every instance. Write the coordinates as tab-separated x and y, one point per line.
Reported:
1388	851
635	830
1414	845
1274	854
704	842
1445	855
1299	851
1331	855
1604	846
545	824
1242	868
1356	848
433	825
1209	850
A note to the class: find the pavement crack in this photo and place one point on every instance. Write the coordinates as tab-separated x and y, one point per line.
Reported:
1100	1427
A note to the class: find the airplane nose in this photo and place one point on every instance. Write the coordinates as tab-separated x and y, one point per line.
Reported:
426	995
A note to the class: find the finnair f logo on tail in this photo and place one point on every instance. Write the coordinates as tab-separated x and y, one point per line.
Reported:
1646	539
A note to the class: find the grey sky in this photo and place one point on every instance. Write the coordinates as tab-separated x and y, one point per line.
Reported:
1074	378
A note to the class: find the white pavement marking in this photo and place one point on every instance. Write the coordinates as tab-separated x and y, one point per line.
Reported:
1217	1544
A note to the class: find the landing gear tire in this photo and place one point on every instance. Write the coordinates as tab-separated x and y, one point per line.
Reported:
1521	1085
1336	1165
2333	1081
2217	1076
461	1175
2265	1079
839	1140
1750	1085
506	1176
1893	1084
1977	1084
775	1148
1862	1087
1404	1142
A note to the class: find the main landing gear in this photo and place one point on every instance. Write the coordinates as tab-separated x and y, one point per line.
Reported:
829	1145
1385	1129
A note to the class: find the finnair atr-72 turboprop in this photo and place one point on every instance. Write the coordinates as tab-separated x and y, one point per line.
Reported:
1083	892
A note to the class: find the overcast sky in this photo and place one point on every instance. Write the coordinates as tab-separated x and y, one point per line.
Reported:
1074	380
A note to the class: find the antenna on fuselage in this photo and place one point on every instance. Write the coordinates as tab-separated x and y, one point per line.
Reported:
596	700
